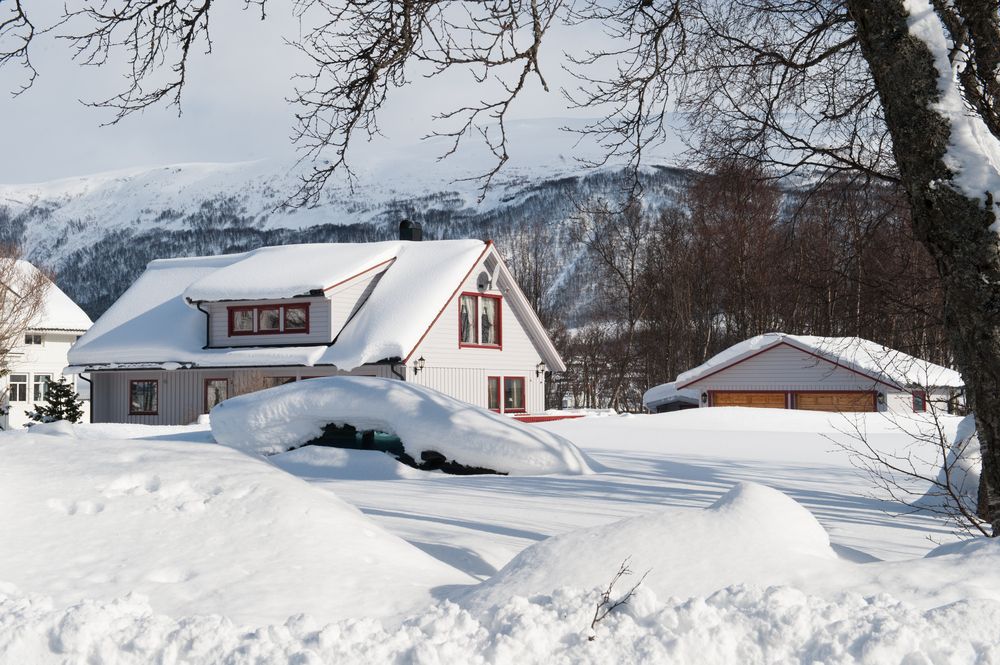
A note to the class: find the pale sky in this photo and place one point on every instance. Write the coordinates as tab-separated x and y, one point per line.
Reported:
234	106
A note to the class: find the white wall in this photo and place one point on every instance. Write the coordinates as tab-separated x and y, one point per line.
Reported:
462	372
33	359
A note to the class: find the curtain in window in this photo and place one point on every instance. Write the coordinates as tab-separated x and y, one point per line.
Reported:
513	394
143	397
466	320
488	320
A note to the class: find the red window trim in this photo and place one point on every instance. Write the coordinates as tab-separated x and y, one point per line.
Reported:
260	313
524	394
205	388
284	319
232	309
499	324
143	413
499	393
922	394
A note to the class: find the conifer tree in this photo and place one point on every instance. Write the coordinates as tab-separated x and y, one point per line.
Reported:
61	403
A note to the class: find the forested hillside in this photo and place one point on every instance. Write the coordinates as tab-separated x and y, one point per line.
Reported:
633	295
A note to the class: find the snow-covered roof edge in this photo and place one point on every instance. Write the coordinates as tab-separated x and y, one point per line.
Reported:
59	311
666	392
882	364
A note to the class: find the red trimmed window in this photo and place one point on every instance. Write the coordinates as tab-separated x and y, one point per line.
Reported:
513	394
493	393
143	397
269	320
480	321
919	401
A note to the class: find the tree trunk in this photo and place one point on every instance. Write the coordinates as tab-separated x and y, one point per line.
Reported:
953	227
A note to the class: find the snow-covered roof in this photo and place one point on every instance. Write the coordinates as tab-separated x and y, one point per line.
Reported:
861	355
59	312
155	324
666	392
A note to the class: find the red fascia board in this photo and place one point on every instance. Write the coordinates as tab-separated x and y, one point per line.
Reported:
489	244
797	348
356	275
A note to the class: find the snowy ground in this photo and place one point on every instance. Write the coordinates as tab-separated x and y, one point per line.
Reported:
211	540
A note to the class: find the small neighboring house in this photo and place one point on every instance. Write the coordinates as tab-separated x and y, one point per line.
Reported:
191	332
816	373
41	355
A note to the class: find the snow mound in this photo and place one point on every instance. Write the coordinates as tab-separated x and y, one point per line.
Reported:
751	533
749	625
285	417
316	462
964	464
198	529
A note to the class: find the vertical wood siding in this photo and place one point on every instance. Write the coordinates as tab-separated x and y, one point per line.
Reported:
182	392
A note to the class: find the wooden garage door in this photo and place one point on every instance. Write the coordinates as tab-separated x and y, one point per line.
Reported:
853	401
743	398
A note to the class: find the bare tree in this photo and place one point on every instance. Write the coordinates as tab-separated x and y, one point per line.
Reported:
23	289
886	89
606	605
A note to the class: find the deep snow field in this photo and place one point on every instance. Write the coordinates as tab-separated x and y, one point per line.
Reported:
762	542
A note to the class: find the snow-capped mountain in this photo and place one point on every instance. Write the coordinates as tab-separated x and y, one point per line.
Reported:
97	232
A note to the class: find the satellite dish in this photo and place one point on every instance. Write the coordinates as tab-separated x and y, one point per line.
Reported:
484	281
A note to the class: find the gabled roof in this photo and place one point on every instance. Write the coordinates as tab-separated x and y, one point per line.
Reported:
880	363
156	323
59	312
668	392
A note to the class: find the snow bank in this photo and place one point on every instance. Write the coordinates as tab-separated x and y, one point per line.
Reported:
198	529
751	533
275	420
964	464
747	625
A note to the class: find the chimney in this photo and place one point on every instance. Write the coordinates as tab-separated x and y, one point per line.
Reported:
410	231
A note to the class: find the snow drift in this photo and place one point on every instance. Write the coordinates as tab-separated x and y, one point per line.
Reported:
276	420
751	533
197	529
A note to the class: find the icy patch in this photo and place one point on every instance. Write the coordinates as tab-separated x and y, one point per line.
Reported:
281	418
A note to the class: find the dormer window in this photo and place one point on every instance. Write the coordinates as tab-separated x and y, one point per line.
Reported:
269	319
479	320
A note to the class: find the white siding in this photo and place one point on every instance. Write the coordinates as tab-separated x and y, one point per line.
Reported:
346	298
49	357
462	372
786	368
182	392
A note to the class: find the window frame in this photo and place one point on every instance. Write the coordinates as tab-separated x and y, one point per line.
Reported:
475	323
489	393
24	384
32	337
278	310
156	397
35	397
257	310
922	396
209	380
284	319
524	395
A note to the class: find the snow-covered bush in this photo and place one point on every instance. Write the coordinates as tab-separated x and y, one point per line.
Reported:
426	421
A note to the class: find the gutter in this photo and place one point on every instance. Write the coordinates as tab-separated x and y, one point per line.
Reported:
90	411
208	322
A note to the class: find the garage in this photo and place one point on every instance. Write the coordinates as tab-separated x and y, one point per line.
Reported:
761	400
835	401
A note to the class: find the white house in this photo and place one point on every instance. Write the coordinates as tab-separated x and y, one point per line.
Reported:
42	354
191	331
815	373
